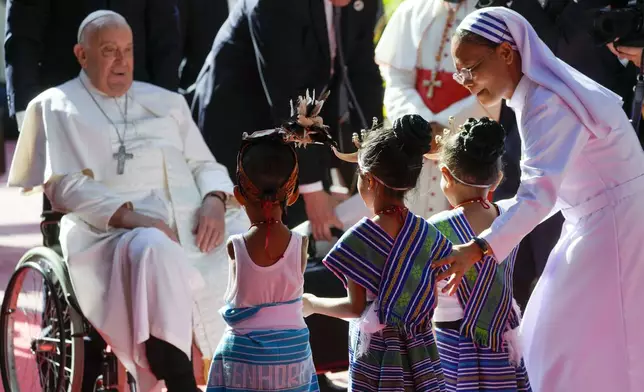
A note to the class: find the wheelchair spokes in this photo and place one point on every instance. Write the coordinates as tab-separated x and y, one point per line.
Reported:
54	341
36	343
44	337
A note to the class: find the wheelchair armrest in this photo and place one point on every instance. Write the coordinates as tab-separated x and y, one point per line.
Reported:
50	229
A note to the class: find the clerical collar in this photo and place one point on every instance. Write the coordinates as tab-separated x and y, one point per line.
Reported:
88	83
520	92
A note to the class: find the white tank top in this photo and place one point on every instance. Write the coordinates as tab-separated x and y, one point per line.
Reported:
251	285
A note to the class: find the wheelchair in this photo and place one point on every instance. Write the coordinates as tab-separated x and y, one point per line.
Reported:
67	354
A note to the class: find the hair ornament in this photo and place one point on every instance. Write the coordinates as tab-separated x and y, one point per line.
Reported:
438	139
451	129
305	125
357	139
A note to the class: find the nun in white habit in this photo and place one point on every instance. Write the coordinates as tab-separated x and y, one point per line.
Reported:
583	328
146	203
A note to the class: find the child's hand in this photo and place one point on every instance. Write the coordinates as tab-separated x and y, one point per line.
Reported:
307	304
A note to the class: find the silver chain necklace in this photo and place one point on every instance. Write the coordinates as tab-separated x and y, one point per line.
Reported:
121	155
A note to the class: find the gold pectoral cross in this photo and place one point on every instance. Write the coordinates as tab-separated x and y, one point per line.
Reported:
121	156
432	84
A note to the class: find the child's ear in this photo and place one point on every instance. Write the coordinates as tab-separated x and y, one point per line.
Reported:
238	196
293	198
498	182
371	182
449	178
367	180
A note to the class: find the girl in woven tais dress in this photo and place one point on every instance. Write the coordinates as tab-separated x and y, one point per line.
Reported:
476	327
385	263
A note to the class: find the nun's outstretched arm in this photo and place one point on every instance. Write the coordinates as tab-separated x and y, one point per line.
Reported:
553	138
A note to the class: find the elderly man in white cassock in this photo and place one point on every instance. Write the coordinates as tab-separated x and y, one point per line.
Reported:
147	206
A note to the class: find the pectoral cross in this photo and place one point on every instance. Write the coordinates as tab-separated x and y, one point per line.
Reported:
432	84
121	156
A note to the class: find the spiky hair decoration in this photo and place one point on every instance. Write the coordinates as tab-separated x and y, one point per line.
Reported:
452	128
305	125
357	140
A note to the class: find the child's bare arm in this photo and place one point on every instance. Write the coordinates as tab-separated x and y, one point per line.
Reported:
349	307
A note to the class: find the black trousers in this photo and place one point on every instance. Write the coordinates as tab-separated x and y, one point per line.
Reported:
167	363
170	364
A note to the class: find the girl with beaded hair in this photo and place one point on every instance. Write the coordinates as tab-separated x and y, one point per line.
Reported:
385	264
582	327
266	347
476	328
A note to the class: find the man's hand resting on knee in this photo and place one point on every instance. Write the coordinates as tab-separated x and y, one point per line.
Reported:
125	218
211	223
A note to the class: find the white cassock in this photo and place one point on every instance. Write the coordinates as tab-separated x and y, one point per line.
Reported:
131	283
583	328
407	54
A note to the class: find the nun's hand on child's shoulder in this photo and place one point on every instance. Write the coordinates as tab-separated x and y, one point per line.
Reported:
307	304
462	258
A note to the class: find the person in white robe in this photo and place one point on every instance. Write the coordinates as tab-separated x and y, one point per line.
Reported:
582	328
147	205
415	62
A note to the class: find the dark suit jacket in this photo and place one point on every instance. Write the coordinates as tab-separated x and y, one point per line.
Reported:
269	52
511	158
200	22
40	36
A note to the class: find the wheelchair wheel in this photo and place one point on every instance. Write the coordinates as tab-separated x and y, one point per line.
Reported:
41	347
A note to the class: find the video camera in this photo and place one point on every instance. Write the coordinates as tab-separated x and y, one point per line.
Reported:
623	23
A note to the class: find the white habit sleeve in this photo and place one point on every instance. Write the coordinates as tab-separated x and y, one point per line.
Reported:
209	174
553	139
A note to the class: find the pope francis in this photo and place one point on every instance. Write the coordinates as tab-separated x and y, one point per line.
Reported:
147	206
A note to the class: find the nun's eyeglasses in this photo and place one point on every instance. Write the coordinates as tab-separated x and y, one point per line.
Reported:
466	75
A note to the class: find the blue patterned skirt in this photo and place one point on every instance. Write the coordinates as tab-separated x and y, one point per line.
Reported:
468	368
263	361
396	361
